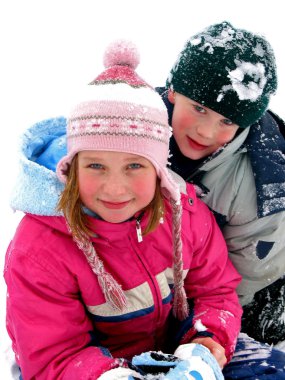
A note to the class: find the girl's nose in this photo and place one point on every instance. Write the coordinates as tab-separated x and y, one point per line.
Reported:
115	185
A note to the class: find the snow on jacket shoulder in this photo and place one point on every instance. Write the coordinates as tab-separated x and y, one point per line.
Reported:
59	322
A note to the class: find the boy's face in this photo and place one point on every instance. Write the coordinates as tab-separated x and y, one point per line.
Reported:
115	185
198	130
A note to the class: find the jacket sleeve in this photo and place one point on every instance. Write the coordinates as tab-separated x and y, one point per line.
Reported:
49	324
211	283
256	248
256	245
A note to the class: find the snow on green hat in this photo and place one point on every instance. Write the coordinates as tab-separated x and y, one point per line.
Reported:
231	71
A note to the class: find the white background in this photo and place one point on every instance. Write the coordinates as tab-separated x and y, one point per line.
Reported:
50	48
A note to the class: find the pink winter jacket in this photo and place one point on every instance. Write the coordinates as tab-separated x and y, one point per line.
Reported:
59	321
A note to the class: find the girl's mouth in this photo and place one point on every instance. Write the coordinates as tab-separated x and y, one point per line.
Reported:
115	205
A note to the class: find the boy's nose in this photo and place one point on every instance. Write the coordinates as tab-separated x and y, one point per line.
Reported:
206	129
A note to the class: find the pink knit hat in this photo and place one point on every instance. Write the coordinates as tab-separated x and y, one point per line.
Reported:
120	112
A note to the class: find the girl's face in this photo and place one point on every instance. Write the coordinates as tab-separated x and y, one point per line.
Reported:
198	131
115	185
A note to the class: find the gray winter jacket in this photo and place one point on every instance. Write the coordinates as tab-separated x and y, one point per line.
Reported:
256	243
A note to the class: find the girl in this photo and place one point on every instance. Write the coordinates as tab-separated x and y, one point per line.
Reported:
127	260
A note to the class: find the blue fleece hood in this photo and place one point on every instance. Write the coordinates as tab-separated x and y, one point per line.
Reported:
37	187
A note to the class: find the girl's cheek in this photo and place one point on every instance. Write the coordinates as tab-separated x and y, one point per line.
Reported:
145	185
140	186
86	184
83	183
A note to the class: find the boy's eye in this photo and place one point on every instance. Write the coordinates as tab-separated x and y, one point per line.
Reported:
227	122
199	109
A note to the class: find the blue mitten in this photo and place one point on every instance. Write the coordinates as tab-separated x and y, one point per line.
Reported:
155	363
200	364
197	361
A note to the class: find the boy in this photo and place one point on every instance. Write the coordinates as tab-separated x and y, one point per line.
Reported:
225	141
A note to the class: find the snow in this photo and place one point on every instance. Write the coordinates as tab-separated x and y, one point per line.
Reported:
199	326
253	89
49	49
210	42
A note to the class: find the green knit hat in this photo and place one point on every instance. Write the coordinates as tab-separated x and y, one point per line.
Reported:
231	71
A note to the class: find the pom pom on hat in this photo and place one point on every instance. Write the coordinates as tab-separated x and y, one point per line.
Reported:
121	52
121	58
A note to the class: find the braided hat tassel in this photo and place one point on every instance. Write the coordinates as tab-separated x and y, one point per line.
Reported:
112	291
180	305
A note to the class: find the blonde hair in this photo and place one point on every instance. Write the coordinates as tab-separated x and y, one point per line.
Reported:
72	208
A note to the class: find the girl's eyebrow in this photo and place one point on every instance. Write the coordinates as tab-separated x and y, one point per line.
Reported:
90	158
138	158
127	159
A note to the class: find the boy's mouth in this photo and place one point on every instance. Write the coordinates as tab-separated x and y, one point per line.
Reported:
195	145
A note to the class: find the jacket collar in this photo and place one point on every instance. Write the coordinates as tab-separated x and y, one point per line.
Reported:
266	149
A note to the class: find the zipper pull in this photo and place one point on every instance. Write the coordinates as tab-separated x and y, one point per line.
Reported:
139	231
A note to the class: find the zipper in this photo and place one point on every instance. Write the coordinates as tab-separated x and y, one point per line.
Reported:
138	229
155	290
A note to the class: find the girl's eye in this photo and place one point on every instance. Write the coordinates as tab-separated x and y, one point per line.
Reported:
135	166
96	166
199	109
